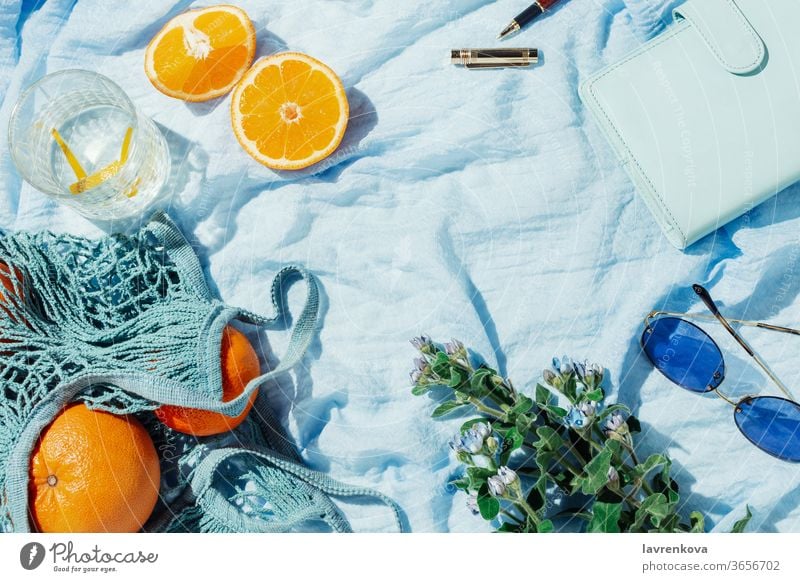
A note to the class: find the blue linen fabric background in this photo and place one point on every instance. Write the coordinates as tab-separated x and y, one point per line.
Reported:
482	205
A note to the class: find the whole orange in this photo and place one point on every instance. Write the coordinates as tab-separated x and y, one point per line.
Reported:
239	363
93	471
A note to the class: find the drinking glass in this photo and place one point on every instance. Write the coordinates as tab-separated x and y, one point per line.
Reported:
77	137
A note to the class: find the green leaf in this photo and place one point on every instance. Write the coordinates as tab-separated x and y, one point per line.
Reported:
506	448
672	497
487	505
595	395
670	524
477	477
663	483
480	472
596	472
441	365
456	377
523	405
556	411
447	408
740	525
479	381
546	526
523	423
543	395
698	522
508	528
543	460
653	461
655	506
605	517
633	424
515	438
420	389
549	439
570	388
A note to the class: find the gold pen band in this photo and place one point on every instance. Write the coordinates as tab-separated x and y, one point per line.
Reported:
482	58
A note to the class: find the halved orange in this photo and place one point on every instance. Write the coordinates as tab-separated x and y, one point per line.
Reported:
201	54
289	111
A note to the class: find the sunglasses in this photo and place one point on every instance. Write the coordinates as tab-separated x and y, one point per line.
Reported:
687	356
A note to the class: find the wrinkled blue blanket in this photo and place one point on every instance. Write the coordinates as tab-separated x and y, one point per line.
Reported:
483	205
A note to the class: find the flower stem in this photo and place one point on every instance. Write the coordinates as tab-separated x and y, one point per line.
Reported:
485	409
523	505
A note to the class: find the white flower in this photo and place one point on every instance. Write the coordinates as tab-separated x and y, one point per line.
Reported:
496	485
471	442
588	408
595	370
421	342
483	429
613	476
453	347
507	475
614	423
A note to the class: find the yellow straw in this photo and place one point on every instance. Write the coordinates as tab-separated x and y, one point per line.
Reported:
80	173
123	155
85	182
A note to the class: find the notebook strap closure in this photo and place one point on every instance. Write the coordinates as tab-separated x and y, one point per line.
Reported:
726	32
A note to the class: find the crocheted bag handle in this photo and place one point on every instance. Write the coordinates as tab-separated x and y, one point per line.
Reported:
304	328
230	518
181	253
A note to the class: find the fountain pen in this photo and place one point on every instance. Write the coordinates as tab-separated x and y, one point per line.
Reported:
528	15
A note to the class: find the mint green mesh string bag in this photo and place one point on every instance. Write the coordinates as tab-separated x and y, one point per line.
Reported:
126	324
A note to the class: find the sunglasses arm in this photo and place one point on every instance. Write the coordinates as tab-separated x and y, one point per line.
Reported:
704	317
712	307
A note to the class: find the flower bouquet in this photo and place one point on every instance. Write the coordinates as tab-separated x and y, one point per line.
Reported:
560	459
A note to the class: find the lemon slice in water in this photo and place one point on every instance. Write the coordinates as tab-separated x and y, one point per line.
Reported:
85	182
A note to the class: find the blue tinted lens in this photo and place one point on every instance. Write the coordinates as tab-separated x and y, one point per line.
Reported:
684	353
772	424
